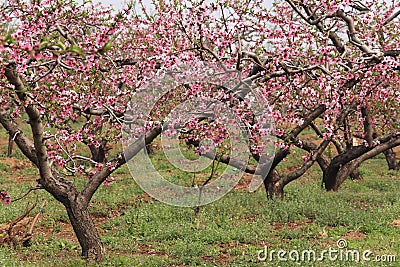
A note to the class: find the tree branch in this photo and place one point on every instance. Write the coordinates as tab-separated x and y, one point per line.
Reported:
118	161
368	131
22	141
352	32
299	172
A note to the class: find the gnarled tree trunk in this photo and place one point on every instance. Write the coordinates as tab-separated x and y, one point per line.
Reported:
60	188
75	202
390	156
86	232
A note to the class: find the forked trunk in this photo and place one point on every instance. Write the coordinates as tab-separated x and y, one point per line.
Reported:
60	188
345	164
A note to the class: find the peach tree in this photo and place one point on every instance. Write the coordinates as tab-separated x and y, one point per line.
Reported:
69	70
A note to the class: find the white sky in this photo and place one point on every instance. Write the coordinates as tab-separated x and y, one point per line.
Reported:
117	4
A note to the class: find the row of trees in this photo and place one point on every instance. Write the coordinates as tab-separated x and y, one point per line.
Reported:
70	69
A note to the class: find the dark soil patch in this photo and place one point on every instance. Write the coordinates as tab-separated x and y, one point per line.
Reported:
61	230
244	182
354	235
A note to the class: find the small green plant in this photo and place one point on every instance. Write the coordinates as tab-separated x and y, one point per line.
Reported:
4	167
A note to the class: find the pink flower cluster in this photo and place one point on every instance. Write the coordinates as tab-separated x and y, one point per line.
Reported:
5	197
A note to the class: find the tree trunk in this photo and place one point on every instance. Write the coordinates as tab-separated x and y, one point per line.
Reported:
273	186
356	175
86	232
344	172
60	188
149	149
99	153
10	146
345	164
390	156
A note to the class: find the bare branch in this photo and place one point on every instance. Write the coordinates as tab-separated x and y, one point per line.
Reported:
27	193
22	141
299	172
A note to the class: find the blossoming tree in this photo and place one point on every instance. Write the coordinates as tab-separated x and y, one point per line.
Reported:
61	70
328	66
70	69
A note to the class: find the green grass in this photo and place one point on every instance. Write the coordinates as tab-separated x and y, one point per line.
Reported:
140	231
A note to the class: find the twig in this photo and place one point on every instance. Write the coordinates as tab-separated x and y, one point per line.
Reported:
24	195
29	233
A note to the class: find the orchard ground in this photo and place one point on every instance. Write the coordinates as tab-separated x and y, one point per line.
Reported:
140	231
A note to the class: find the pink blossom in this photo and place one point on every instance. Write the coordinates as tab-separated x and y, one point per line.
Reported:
5	197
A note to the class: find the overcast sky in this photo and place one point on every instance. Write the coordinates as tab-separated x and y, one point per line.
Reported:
117	4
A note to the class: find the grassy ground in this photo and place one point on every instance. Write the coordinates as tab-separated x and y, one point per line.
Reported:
234	231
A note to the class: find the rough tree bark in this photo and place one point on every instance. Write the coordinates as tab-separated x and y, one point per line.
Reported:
356	175
273	187
10	146
390	156
85	230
